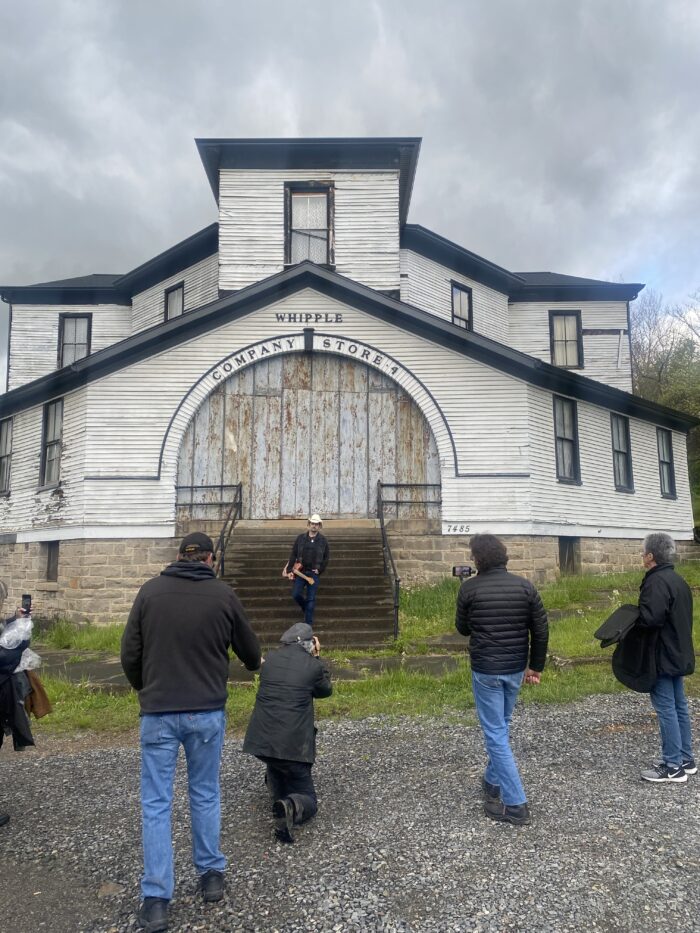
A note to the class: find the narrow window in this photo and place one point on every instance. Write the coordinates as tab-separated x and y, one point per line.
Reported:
309	223
74	332
52	561
622	453
566	440
174	301
462	306
51	446
5	455
667	474
566	340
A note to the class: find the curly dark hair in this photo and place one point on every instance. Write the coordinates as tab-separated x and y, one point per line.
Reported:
488	552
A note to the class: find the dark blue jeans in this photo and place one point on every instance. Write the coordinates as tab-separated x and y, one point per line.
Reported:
292	779
307	603
668	699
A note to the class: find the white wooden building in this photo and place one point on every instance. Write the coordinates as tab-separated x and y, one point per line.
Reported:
309	344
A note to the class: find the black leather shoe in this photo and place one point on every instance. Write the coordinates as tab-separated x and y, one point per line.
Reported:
153	916
497	810
283	811
212	885
491	791
4	818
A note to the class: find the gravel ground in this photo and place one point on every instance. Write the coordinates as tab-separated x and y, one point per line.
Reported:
400	842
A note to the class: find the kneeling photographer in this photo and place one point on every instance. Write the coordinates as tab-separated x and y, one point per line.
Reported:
281	732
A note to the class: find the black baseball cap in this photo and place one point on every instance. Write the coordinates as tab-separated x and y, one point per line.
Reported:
197	541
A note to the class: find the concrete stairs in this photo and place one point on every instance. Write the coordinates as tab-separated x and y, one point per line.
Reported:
354	608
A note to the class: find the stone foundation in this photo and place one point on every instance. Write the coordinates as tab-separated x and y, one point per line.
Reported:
98	580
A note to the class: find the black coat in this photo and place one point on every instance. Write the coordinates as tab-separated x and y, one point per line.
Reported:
666	604
282	724
504	616
175	645
312	552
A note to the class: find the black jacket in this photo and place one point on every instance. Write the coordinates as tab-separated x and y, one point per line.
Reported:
313	553
175	646
504	616
282	724
666	604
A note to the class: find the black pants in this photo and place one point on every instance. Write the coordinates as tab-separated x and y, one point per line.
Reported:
292	779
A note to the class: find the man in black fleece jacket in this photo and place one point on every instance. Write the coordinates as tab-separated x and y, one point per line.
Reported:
507	624
175	653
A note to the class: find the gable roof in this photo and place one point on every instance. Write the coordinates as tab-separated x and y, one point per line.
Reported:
308	275
330	154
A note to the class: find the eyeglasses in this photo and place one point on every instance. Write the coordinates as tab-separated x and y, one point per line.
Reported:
314	524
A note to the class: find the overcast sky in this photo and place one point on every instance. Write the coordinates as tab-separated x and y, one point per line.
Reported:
559	135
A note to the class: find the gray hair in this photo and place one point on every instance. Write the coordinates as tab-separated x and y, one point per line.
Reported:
308	646
661	546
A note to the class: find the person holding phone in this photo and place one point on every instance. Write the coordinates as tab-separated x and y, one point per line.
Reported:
12	716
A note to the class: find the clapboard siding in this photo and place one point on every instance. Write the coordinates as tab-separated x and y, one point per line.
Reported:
251	225
427	285
34	339
529	332
201	286
28	506
596	502
496	423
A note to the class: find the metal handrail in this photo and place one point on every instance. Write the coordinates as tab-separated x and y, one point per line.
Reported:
388	557
234	514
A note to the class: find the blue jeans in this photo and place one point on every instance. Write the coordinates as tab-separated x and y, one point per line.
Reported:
307	603
668	699
495	696
202	737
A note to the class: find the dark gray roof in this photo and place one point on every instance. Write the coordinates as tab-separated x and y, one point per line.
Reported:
95	280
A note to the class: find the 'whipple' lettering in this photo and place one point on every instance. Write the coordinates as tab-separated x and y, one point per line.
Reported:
308	318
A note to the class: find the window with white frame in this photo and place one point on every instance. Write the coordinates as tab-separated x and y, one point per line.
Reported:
5	455
52	443
462	305
174	301
73	338
621	453
566	339
667	474
566	440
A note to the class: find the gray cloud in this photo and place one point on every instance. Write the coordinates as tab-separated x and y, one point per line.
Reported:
557	136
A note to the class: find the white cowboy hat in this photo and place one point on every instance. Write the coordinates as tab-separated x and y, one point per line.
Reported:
315	518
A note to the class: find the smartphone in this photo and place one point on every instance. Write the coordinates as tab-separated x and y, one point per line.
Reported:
27	603
462	570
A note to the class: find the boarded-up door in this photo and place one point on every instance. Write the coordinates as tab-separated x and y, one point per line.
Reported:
305	433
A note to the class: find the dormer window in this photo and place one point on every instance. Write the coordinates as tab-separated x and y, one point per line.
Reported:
566	339
462	306
174	301
73	338
308	223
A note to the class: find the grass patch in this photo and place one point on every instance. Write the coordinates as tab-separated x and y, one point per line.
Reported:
63	634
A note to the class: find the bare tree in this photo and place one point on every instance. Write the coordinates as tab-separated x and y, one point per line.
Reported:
689	315
655	339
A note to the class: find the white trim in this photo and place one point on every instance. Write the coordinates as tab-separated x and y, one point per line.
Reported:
550	529
83	532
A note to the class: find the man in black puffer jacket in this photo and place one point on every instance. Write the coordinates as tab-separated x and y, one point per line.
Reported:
175	653
666	608
507	624
281	731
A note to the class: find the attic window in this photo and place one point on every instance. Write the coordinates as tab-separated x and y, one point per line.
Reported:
174	301
462	305
308	223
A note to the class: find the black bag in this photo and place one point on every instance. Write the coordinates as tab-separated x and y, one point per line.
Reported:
617	625
634	659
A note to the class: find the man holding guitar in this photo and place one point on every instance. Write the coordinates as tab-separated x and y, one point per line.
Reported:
306	563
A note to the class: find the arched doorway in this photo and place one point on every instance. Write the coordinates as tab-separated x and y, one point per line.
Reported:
305	433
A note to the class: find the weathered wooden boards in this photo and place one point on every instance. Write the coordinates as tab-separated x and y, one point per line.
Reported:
305	433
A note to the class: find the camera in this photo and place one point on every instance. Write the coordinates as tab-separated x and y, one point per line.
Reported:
27	603
462	571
